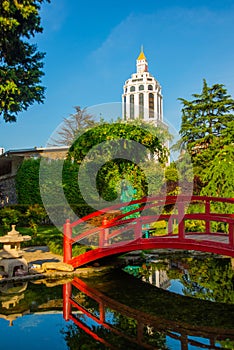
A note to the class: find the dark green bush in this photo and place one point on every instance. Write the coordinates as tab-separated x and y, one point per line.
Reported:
8	217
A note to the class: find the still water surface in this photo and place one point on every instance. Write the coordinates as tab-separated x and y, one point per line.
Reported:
193	308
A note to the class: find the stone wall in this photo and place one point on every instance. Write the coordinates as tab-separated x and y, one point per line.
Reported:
7	191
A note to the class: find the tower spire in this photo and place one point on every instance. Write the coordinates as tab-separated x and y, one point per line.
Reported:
142	64
141	55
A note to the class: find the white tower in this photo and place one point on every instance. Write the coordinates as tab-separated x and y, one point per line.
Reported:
142	96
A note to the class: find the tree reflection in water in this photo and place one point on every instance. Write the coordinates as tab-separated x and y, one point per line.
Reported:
205	278
121	312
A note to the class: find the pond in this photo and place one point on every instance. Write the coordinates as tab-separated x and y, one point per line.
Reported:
187	303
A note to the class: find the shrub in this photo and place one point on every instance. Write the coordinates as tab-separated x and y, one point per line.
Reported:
160	227
9	217
35	214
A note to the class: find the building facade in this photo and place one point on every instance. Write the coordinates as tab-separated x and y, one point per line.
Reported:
142	95
10	162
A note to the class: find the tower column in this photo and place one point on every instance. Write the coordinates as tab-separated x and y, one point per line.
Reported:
161	109
128	107
123	107
156	105
136	106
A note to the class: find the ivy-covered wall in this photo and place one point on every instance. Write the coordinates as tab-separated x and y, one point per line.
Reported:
27	182
28	186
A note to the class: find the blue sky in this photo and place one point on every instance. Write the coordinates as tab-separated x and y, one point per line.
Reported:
91	49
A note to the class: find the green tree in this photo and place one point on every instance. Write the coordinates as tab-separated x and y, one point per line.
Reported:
205	120
154	176
105	135
20	62
109	158
219	180
219	177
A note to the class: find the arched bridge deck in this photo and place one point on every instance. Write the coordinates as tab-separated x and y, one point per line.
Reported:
147	225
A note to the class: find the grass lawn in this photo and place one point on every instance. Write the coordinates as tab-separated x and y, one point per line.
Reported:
46	235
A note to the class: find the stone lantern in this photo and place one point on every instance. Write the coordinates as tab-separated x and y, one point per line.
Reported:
12	262
11	293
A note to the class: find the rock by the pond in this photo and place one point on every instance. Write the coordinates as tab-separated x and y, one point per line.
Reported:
35	271
58	266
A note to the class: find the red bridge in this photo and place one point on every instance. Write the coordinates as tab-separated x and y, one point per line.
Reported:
194	223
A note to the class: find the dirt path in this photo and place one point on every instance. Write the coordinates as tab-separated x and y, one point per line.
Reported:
40	254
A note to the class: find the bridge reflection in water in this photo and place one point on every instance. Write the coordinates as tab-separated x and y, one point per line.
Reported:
157	318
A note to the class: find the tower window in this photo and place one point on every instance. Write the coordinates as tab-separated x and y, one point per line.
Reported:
141	87
150	87
132	88
151	105
131	106
141	106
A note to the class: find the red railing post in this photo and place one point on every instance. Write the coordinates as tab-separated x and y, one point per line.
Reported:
67	242
138	229
184	341
103	234
140	331
101	238
231	234
207	212
181	220
170	226
102	312
66	301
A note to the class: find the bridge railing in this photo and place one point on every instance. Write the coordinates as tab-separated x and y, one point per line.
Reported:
139	222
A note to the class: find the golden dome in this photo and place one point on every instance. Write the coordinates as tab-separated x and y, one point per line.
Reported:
141	56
